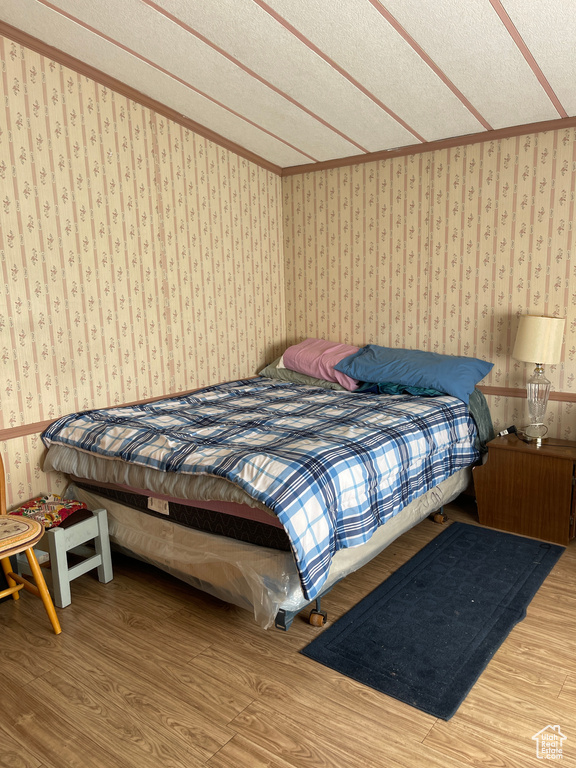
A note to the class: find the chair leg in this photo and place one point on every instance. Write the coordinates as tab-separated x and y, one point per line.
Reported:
43	590
7	568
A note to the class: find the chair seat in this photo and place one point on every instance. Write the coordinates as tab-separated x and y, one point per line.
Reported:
18	534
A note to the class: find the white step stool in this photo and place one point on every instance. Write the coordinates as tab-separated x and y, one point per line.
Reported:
59	541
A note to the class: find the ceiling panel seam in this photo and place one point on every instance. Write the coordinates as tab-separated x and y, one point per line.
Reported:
249	71
430	62
175	77
529	58
338	68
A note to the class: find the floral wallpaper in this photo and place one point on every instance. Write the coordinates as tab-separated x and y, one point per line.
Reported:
137	259
441	251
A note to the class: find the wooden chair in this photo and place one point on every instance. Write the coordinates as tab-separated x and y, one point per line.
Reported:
21	534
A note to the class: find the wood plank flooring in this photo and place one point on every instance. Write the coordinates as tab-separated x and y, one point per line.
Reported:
150	672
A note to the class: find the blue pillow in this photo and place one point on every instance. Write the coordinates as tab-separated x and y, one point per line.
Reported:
456	376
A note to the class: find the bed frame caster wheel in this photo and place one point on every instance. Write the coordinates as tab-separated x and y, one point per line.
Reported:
440	517
317	618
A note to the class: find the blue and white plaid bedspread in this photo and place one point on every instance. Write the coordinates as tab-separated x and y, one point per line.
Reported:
332	465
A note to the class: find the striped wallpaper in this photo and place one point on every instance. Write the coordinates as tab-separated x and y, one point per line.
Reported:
137	259
441	251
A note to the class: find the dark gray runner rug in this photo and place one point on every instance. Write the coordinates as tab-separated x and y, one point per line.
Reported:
426	633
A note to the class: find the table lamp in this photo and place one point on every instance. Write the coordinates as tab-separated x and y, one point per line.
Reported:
538	341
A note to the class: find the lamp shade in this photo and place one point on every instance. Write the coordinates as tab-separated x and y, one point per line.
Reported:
539	339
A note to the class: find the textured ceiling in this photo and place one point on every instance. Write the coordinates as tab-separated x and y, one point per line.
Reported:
306	81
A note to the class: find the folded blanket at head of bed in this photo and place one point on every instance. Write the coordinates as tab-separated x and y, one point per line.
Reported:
481	414
333	466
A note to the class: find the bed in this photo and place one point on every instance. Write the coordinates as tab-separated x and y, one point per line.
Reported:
290	485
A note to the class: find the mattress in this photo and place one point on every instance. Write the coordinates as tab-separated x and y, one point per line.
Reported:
236	521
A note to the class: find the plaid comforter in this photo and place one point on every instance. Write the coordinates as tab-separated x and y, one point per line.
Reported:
333	466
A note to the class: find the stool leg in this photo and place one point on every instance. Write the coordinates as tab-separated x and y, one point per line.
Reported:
43	590
7	568
102	547
59	567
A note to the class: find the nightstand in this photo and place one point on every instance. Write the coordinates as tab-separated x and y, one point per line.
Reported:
527	489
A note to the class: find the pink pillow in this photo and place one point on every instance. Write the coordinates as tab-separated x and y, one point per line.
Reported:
317	357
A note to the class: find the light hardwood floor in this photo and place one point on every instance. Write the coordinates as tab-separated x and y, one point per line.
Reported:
148	672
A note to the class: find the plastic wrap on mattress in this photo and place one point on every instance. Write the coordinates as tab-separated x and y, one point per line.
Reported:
261	580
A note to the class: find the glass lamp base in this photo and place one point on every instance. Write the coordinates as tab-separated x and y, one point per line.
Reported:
537	391
534	433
